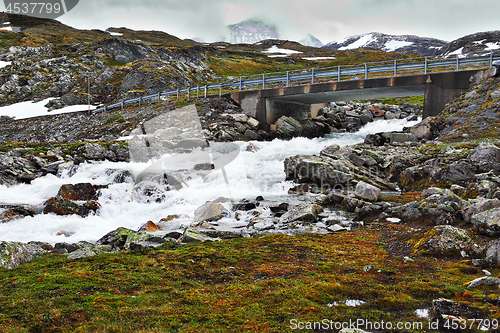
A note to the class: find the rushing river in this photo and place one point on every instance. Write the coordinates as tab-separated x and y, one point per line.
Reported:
249	175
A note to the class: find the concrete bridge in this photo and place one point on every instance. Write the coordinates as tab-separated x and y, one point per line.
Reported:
438	89
298	93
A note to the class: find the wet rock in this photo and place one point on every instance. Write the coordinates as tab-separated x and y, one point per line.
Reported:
148	192
150	227
262	225
66	207
192	235
244	205
127	239
396	137
317	169
485	281
209	211
13	254
304	213
81	191
96	152
375	139
14	212
365	191
52	168
488	222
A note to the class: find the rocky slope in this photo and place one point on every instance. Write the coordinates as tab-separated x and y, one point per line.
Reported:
390	43
477	44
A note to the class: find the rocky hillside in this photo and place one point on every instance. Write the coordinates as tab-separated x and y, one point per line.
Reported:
390	43
478	44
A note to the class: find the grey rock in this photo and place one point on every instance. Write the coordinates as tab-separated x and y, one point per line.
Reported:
209	211
395	137
488	222
479	207
305	213
486	156
484	281
365	191
13	254
493	252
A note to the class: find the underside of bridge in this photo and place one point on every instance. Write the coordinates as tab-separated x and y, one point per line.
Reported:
269	105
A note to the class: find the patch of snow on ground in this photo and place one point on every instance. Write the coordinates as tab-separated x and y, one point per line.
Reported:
492	46
115	33
458	52
479	41
395	44
5	63
29	109
319	58
275	49
359	43
7	29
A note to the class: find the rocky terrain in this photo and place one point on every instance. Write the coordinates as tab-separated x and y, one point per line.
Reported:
478	44
422	46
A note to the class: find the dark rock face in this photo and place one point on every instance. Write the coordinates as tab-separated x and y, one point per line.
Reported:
123	50
82	191
391	43
67	207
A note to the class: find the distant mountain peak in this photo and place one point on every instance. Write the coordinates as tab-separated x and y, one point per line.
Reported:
477	44
251	31
310	40
390	43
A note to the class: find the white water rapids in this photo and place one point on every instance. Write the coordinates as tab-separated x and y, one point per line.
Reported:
249	175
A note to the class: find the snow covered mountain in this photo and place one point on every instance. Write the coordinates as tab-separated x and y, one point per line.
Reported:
390	43
251	31
310	40
477	44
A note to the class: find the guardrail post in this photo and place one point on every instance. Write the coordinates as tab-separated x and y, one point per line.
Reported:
312	76
458	63
189	90
491	59
206	91
140	100
287	78
339	73
220	90
366	71
177	93
159	97
240	83
395	67
263	81
122	105
425	70
197	91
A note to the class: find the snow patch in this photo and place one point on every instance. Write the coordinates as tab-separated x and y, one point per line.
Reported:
395	44
492	46
319	58
362	41
7	29
5	63
29	109
457	52
115	33
275	49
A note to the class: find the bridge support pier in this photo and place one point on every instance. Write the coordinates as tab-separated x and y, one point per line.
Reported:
443	89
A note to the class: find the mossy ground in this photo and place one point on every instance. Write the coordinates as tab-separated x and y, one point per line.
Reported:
253	285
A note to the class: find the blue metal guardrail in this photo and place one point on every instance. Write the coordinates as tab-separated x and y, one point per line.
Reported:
310	76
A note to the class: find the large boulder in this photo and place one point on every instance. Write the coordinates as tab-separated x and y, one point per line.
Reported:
488	222
323	171
13	254
479	207
486	156
447	240
365	191
493	252
127	239
210	211
303	213
82	191
61	206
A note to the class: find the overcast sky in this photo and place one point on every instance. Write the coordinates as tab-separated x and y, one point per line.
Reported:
327	20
